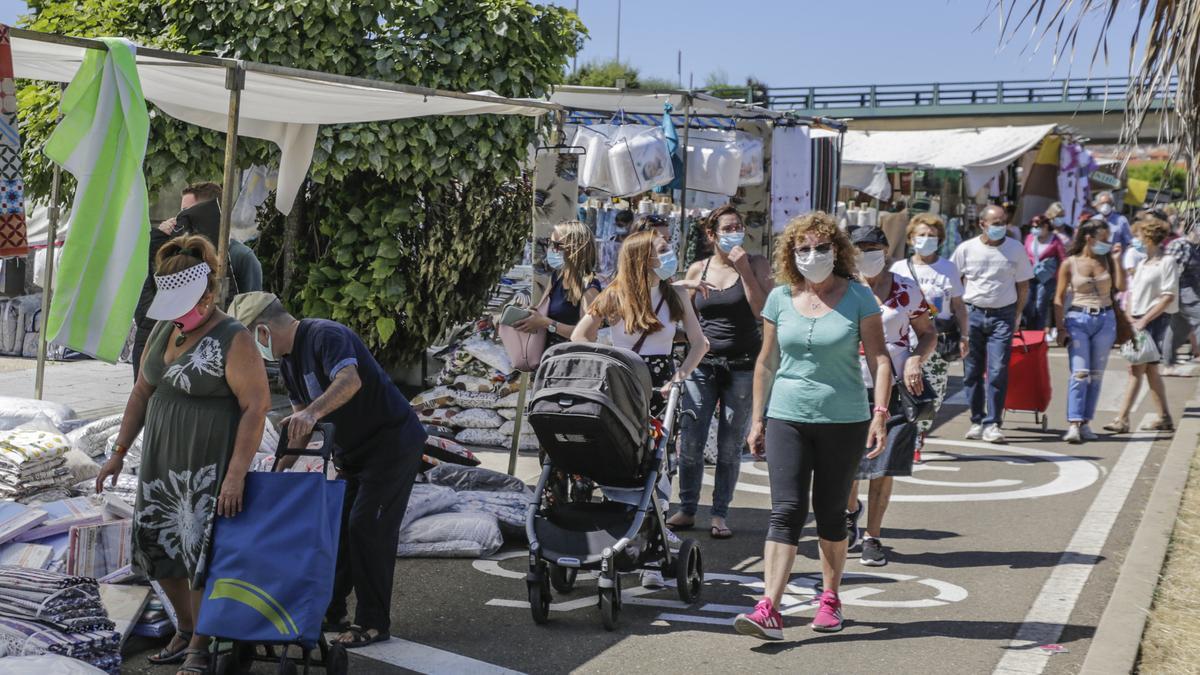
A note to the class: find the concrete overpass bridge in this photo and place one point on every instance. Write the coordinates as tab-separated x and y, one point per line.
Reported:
1094	107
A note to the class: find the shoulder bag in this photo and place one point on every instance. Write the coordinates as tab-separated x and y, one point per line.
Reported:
525	349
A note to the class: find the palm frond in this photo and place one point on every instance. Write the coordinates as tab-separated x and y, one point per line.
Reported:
1167	33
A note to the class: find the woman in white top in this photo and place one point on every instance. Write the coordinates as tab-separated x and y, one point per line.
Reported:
1153	298
643	309
941	283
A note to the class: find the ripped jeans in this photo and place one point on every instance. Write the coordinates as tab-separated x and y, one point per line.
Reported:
1092	337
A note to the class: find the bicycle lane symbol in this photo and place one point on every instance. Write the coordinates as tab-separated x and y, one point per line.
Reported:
1071	475
860	589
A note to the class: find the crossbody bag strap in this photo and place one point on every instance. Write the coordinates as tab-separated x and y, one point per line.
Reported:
637	346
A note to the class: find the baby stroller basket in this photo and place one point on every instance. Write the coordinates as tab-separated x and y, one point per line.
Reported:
589	408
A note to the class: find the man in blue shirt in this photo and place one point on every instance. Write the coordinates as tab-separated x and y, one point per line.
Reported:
331	377
1119	231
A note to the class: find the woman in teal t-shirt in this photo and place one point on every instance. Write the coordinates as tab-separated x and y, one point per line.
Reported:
818	422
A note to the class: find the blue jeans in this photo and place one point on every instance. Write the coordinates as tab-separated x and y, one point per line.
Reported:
989	347
708	387
1039	311
1092	337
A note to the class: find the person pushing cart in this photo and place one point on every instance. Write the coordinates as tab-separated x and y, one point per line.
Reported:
331	377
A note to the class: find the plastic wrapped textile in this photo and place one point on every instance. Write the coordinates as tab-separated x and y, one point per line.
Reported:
450	451
100	649
508	507
462	478
50	494
16	519
427	500
126	487
19	446
9	309
46	663
91	438
33	556
476	399
752	172
714	162
80	465
100	549
508	427
526	443
434	398
476	418
638	160
490	353
16	411
70	603
484	438
507	413
451	535
63	515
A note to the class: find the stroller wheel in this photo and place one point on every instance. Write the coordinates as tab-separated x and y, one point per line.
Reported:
689	571
610	603
563	578
539	597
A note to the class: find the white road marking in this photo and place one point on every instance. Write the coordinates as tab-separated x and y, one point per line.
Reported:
1052	609
425	659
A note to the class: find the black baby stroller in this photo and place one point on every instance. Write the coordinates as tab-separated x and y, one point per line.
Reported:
590	409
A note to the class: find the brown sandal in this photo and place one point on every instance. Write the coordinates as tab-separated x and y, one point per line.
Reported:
1117	426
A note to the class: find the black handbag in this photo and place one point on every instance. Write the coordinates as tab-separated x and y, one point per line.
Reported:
914	407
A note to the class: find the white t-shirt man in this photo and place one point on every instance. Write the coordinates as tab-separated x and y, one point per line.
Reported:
992	273
940	282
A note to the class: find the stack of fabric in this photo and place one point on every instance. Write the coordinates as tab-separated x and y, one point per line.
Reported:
47	613
32	461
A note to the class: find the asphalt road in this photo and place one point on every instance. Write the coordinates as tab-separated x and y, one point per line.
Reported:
994	551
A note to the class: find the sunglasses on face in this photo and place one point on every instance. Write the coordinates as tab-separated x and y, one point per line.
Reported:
820	248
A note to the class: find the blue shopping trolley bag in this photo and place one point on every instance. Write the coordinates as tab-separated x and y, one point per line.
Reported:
270	576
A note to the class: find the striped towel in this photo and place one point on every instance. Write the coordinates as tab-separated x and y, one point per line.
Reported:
102	142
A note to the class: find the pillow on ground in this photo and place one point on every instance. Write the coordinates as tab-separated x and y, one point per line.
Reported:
463	478
476	399
427	500
451	535
508	507
485	438
17	411
526	430
446	450
476	418
434	398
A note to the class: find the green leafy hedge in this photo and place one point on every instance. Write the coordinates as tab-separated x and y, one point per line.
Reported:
404	226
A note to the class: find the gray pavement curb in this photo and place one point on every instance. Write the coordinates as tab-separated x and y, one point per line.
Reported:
1118	637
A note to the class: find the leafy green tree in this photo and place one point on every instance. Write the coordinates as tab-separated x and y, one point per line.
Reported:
1156	171
606	74
753	91
403	226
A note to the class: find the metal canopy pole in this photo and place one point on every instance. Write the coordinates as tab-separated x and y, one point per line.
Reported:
235	81
47	282
683	224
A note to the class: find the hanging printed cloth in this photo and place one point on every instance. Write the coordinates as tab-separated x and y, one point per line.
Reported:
824	174
13	241
668	127
102	142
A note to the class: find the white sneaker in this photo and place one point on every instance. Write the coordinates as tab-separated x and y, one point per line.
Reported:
1073	435
653	580
992	434
1086	432
975	432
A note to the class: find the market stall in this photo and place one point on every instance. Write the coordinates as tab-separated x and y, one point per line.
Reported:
954	172
283	105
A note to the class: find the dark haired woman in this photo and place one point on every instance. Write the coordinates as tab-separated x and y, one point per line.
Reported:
202	397
728	291
1092	272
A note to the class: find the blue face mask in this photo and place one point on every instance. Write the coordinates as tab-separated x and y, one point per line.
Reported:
554	259
1139	246
728	242
668	263
1101	247
1060	221
997	232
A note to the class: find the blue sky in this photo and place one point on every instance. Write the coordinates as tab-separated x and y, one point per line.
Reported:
811	43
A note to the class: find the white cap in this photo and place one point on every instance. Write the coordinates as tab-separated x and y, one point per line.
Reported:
178	293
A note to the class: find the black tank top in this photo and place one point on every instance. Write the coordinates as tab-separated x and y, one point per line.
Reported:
727	321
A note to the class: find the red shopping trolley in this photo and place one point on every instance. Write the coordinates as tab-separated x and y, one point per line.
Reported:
1029	376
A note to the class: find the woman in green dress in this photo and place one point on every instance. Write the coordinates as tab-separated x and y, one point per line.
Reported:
202	397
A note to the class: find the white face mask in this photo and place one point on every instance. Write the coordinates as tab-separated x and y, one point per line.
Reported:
871	263
815	267
1105	209
925	244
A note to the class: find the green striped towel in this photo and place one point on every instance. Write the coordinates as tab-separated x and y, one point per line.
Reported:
102	142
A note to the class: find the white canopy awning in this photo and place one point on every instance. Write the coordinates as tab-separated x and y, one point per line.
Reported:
650	102
979	153
281	105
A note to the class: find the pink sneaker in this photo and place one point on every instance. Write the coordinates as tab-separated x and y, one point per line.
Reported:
764	622
829	616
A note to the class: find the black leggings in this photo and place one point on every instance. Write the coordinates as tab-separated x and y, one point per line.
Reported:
823	455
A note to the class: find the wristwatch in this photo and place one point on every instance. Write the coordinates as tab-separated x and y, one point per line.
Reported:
553	328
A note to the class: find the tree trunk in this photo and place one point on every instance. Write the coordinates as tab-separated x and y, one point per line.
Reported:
291	241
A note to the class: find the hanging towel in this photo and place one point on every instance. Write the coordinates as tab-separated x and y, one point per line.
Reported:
791	175
668	127
102	142
824	174
13	239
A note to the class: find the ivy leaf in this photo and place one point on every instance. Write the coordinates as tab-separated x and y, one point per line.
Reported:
386	327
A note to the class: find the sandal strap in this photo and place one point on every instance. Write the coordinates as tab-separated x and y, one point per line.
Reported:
195	662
